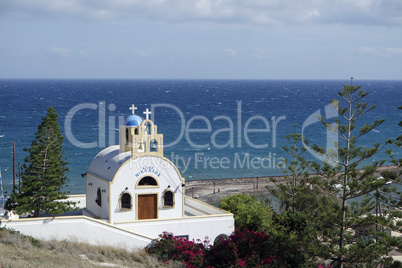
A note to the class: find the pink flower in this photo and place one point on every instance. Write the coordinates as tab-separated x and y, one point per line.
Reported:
242	263
266	261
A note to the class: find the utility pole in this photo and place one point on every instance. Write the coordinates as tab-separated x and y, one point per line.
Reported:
213	174
14	167
19	177
1	196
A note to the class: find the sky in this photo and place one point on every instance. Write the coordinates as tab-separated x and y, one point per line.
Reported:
201	39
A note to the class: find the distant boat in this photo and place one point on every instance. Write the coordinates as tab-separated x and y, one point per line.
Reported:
339	189
386	183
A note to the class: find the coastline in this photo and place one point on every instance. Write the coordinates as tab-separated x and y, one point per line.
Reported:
206	191
211	191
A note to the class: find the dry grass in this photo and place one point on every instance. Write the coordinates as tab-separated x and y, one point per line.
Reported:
17	250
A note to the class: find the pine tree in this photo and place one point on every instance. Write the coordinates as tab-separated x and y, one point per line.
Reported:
296	171
391	197
398	144
303	217
340	178
44	172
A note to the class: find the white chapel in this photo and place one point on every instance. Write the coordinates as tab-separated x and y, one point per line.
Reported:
133	194
133	180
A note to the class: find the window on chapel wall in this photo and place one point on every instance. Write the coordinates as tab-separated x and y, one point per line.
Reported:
220	238
98	199
168	199
147	181
125	201
127	136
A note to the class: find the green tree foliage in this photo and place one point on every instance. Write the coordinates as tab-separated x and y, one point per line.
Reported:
398	144
249	213
399	139
288	232
305	210
290	187
340	178
44	172
388	196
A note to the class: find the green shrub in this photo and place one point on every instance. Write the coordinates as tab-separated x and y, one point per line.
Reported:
242	249
249	213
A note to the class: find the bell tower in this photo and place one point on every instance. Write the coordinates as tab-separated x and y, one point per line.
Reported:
140	136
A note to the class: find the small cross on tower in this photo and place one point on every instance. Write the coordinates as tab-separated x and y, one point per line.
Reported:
133	108
147	113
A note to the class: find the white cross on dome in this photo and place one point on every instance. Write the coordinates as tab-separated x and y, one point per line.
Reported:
133	108
147	113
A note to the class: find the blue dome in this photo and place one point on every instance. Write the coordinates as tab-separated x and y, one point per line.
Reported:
133	121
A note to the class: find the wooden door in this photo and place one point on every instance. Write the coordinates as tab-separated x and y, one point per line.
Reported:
147	206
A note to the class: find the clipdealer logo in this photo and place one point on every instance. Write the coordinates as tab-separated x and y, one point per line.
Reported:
237	131
187	129
331	152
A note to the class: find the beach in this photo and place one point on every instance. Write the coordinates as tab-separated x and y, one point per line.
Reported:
211	191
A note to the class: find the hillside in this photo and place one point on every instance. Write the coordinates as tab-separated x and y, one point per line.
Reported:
17	250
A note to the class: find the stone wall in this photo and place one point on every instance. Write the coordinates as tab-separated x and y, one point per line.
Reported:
234	181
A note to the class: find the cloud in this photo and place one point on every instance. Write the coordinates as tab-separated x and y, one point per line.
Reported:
369	50
393	50
382	51
261	12
64	52
363	12
143	53
261	52
230	52
83	53
68	53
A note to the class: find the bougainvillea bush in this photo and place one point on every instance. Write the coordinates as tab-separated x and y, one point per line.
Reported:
169	247
254	249
242	249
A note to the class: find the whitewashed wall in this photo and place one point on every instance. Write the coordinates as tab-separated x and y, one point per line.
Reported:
195	228
80	229
128	176
134	235
92	186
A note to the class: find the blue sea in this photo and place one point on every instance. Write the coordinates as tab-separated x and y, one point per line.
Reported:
212	128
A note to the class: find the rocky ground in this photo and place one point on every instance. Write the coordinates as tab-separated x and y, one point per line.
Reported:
211	191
